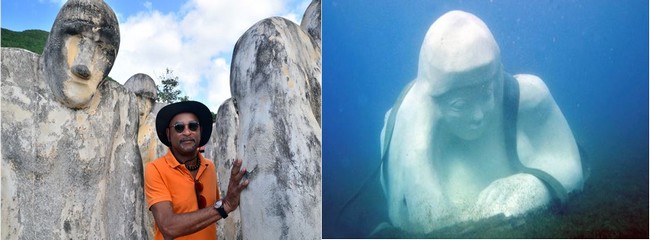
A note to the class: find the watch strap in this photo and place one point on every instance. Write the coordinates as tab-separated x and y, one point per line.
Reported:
221	210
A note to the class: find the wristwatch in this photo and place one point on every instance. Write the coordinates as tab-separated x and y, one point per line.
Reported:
219	206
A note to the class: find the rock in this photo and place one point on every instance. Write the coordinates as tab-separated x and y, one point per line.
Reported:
311	21
222	150
275	81
67	173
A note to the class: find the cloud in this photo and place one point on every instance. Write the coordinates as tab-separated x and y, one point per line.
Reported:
196	42
147	5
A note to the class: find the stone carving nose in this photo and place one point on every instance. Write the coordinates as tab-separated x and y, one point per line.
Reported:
81	71
477	115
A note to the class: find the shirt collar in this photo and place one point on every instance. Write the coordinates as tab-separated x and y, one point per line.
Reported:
173	163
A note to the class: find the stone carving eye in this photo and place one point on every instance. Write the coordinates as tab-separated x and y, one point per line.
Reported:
458	104
75	27
70	30
109	51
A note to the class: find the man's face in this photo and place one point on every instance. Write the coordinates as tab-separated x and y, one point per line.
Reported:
186	141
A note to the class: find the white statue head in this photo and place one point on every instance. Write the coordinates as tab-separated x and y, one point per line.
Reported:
460	67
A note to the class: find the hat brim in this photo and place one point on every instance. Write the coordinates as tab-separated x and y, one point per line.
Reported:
168	112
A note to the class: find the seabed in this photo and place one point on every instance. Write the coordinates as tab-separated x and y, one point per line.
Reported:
613	204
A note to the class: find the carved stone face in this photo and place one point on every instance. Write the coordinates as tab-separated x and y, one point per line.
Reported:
144	87
80	51
460	68
467	111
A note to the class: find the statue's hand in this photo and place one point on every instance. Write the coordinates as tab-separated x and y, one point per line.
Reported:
512	195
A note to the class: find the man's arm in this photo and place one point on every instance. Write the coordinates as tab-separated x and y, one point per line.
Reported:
173	225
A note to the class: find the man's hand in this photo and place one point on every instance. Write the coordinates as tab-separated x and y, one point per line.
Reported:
235	186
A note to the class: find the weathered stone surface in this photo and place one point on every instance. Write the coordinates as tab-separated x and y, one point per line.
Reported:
275	81
142	85
222	149
145	89
150	148
67	173
80	51
311	21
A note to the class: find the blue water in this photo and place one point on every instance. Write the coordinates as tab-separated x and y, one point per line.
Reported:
592	55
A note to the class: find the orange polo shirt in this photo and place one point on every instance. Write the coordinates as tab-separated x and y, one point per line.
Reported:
165	179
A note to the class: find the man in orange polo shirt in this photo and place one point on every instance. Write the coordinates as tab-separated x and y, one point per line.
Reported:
181	187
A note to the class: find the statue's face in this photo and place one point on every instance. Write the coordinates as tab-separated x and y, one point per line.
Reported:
80	51
144	106
467	111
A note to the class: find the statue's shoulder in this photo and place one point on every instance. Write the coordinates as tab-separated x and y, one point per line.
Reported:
19	52
20	60
533	92
21	77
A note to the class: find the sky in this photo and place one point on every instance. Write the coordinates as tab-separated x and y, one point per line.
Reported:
193	38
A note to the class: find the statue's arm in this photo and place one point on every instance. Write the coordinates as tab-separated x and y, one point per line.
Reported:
544	138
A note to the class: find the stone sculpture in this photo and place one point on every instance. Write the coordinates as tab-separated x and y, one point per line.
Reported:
457	147
80	51
146	91
311	22
71	167
222	149
74	144
275	85
150	147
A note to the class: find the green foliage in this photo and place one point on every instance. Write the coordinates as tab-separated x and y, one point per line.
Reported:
108	78
32	40
168	93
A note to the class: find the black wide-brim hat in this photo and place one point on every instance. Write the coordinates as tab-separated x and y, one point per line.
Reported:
168	112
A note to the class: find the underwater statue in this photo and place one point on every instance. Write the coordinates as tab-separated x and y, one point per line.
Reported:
466	140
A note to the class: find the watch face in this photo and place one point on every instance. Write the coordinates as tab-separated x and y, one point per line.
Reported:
218	204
